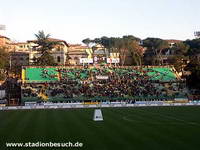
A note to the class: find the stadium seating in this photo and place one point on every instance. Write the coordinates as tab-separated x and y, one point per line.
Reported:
61	84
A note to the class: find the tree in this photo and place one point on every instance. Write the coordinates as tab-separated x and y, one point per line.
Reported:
193	79
4	57
155	46
136	52
131	48
194	47
87	41
179	55
119	45
181	48
178	61
131	37
4	62
193	52
44	46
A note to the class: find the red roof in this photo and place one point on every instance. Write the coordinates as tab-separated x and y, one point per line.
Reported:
1	36
78	46
173	41
73	45
20	43
53	40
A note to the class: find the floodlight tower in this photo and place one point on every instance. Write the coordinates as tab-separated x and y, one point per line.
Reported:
2	28
197	34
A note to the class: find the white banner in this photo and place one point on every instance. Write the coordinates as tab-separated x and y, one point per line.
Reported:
81	106
102	77
86	60
113	60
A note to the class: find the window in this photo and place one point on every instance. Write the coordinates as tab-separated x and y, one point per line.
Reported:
58	58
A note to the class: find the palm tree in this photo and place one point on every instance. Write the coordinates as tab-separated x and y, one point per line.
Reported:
44	46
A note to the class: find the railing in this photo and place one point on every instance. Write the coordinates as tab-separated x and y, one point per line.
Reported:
102	105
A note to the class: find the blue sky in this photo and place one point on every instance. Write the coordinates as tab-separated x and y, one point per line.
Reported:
74	20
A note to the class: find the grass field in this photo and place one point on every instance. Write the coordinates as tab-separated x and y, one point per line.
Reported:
153	128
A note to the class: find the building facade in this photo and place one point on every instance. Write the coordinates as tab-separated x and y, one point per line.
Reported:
78	51
59	52
5	42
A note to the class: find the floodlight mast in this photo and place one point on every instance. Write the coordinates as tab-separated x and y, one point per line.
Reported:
197	34
2	28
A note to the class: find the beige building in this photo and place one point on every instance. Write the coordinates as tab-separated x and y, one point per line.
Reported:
22	46
19	58
23	53
77	51
59	52
5	42
60	57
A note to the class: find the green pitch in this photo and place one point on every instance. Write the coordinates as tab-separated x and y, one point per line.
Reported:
152	128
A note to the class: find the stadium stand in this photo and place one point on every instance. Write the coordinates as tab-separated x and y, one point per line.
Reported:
66	84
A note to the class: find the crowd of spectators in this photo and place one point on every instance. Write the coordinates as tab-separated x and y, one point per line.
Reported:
104	83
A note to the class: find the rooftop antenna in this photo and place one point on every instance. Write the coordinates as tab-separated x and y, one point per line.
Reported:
197	34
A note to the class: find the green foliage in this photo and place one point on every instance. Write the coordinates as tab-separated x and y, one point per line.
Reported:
45	60
44	46
123	45
4	58
136	52
87	41
131	38
180	48
155	46
194	79
179	57
179	61
193	51
194	47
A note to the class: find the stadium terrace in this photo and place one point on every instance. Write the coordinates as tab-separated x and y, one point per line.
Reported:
100	84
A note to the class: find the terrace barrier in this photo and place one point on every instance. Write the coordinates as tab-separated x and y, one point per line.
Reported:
71	106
